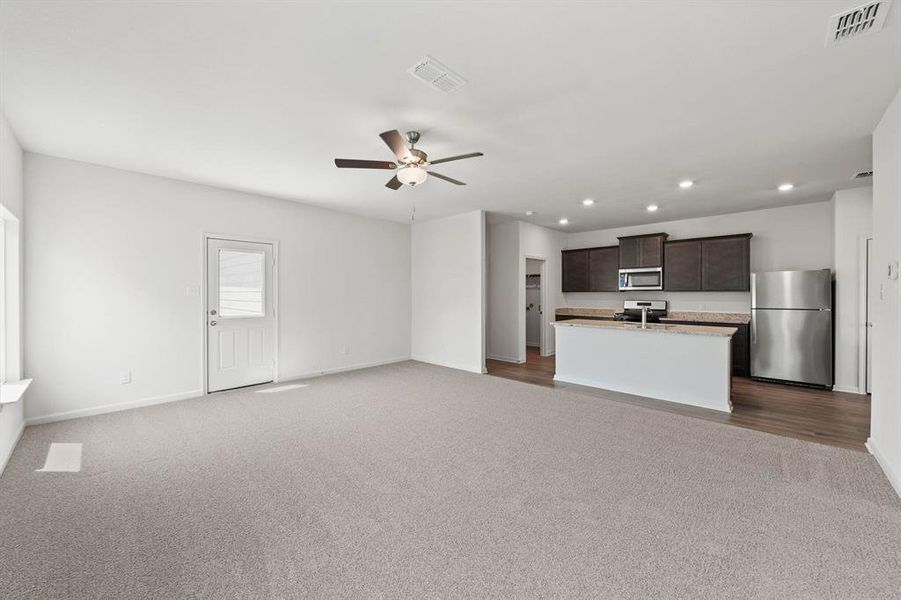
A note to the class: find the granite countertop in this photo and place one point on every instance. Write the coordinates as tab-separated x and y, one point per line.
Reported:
701	317
708	317
587	312
655	327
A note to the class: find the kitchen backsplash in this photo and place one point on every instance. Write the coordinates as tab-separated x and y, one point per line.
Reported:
739	302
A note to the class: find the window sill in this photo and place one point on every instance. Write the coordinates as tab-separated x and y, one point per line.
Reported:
12	391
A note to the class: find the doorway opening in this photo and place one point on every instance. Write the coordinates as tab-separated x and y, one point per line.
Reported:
240	320
535	286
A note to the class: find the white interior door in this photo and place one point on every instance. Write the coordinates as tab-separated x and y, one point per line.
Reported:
240	315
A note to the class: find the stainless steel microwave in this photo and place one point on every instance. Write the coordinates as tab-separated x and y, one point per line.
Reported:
645	278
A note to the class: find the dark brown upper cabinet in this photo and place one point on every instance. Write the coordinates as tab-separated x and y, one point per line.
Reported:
639	251
716	264
575	270
603	269
726	263
682	266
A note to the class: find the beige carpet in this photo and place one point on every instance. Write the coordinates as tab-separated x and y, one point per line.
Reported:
414	481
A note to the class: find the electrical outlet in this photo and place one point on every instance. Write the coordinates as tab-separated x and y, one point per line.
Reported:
345	349
192	291
125	377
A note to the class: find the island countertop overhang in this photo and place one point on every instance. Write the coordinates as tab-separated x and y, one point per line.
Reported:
708	330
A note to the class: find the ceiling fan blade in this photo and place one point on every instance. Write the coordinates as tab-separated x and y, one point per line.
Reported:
446	178
460	157
397	144
352	163
394	183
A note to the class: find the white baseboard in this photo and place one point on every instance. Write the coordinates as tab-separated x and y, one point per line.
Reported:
508	359
460	367
533	345
4	460
285	377
847	390
108	408
893	478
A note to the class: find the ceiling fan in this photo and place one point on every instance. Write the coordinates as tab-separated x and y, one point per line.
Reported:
412	162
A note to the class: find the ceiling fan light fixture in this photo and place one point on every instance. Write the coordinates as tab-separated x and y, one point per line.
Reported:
412	175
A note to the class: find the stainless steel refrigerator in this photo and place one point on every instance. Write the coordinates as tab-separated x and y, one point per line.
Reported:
791	326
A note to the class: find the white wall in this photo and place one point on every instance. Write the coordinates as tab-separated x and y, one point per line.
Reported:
885	424
853	224
12	211
503	292
449	299
109	254
790	238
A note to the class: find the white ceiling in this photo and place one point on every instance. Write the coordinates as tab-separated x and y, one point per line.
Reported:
616	101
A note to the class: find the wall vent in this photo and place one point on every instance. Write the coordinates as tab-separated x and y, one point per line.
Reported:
436	75
863	175
857	22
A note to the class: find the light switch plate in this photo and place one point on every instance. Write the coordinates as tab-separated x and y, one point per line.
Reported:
125	377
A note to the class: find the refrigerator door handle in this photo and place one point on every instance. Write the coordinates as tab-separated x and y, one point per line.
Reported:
753	331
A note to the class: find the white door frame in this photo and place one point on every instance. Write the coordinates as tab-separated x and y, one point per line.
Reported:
204	294
522	304
863	291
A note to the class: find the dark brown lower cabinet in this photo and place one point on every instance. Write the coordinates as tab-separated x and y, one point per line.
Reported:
741	345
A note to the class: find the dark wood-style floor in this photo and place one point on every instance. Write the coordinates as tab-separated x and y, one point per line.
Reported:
834	418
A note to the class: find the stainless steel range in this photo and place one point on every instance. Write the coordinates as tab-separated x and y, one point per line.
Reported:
632	310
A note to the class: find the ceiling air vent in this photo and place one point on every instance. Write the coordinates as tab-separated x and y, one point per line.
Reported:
436	75
856	22
863	175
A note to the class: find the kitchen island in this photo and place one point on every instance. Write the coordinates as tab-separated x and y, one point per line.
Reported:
688	364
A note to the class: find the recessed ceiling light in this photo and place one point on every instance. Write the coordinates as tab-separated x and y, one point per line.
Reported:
786	187
563	221
587	202
652	208
529	213
686	183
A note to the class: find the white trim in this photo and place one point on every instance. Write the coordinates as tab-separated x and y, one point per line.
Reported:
509	359
12	391
847	390
204	383
355	367
108	408
545	323
862	317
3	366
893	478
5	460
457	366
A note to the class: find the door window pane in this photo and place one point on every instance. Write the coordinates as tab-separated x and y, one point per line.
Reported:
241	281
